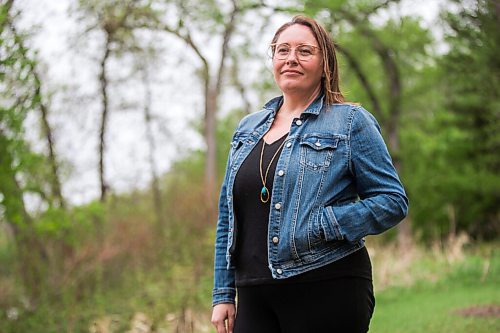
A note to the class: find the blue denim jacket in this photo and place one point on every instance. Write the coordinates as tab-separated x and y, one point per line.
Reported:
334	184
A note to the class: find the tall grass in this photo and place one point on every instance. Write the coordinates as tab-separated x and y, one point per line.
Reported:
128	281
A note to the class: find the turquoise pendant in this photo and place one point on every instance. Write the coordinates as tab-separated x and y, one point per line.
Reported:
264	194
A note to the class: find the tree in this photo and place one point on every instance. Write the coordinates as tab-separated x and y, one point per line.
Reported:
212	83
19	95
148	119
114	20
55	183
216	19
471	77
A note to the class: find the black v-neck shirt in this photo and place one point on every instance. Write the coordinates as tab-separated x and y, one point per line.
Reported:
252	219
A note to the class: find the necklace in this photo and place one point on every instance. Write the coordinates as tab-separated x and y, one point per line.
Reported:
264	192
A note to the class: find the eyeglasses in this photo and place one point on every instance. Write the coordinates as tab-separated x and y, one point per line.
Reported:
303	52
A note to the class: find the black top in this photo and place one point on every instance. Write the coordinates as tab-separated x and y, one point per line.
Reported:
252	219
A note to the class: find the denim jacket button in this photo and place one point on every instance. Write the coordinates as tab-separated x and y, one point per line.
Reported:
289	144
277	206
275	240
298	122
281	173
279	271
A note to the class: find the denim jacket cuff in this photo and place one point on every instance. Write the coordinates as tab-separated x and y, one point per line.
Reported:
223	295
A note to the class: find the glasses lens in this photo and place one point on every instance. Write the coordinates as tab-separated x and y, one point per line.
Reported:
302	52
282	51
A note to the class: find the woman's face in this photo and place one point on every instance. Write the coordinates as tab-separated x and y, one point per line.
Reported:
293	75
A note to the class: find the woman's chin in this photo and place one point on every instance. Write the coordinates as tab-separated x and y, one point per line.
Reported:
297	89
292	87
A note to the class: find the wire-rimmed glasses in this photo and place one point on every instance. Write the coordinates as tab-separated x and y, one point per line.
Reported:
303	52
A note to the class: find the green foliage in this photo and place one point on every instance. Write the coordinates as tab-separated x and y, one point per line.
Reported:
472	72
68	224
448	127
45	239
24	170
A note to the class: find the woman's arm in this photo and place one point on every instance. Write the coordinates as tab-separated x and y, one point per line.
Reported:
383	202
224	279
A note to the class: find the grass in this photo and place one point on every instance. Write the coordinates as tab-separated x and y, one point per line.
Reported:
431	306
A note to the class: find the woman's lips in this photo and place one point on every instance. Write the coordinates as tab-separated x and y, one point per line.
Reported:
291	72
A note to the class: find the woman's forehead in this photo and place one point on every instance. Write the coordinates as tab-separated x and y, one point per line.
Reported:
296	34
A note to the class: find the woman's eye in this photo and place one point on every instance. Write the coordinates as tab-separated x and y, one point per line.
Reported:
305	51
283	50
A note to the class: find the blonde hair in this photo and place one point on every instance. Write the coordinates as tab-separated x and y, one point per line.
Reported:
330	77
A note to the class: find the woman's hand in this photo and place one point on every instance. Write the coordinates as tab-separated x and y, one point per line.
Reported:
222	313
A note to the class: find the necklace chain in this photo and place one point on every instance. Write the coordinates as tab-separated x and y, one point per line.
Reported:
264	193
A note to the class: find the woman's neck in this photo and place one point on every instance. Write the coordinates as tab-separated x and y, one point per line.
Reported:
294	104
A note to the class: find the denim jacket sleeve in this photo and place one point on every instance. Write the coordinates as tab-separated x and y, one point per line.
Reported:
224	290
383	202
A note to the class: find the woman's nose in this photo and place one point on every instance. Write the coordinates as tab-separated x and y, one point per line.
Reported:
292	57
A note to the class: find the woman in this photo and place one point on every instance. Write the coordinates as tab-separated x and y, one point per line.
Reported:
307	178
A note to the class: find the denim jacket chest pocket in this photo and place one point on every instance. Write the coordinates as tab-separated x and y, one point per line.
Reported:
317	150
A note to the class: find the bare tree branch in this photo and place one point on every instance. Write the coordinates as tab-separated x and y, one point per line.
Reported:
368	12
229	29
363	79
391	69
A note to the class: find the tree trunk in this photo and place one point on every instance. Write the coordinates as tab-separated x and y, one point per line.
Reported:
155	183
211	154
391	122
104	117
210	116
55	181
212	90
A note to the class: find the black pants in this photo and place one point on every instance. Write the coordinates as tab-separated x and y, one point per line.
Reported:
340	305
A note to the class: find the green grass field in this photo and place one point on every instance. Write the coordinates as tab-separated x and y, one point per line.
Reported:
431	307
